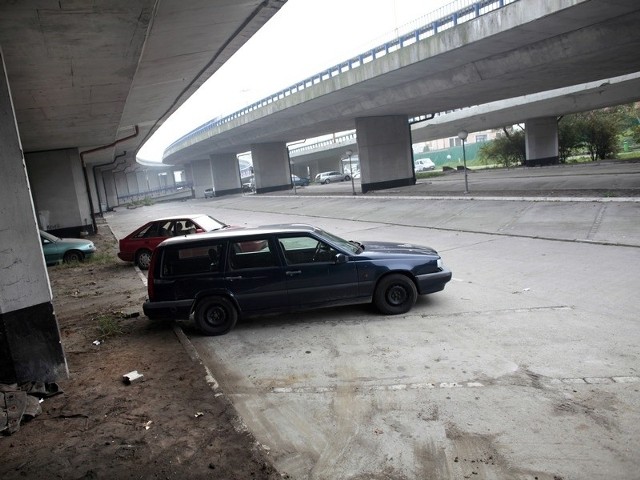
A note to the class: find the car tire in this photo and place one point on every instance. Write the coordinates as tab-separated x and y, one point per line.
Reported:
347	178
395	294
215	315
143	259
73	256
327	181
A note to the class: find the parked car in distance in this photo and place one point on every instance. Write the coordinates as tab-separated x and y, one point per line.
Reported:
58	250
249	187
209	193
299	182
355	174
138	246
423	165
333	176
289	267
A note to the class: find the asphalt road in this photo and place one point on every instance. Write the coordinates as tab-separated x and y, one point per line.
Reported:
526	366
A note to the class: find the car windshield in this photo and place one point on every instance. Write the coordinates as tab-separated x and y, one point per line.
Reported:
353	247
209	223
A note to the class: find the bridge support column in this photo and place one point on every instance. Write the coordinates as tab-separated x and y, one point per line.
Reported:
220	172
541	141
30	348
384	150
271	167
60	194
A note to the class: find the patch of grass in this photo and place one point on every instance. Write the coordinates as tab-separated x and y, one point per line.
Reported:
146	201
634	155
108	325
98	258
102	258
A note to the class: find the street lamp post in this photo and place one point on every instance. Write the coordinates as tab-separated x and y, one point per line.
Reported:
462	135
353	188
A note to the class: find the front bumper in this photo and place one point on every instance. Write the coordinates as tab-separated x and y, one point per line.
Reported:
433	282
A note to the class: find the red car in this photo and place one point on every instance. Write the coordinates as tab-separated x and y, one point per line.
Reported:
138	246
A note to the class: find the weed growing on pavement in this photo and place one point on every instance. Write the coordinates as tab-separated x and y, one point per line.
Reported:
108	325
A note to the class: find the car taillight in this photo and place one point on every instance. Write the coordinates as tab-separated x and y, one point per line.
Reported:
150	276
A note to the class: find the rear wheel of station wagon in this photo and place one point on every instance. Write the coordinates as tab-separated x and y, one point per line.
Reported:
395	294
215	315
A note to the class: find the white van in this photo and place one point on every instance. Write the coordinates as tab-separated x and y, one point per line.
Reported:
423	164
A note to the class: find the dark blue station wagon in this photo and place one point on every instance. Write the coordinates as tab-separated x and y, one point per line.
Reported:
218	277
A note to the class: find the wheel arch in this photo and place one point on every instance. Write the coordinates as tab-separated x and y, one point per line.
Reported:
203	294
406	273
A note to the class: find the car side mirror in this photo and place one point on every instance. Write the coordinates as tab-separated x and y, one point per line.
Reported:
340	258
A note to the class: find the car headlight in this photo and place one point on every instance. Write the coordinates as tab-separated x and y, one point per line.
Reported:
439	263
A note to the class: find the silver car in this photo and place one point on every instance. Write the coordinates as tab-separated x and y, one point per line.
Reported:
333	176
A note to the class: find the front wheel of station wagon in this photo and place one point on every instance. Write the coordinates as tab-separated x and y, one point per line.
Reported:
215	315
395	294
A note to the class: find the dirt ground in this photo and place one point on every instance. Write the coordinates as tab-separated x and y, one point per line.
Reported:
168	424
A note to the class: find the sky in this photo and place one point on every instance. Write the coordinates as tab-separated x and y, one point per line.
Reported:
302	39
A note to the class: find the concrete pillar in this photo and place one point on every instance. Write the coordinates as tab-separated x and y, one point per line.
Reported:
120	183
271	167
108	185
225	174
60	192
30	348
385	154
541	141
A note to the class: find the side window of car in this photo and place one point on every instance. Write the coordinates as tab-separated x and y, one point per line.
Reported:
189	227
254	253
192	259
147	232
305	249
166	229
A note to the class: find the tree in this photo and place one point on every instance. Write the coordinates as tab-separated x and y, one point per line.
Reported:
569	138
506	150
599	132
630	121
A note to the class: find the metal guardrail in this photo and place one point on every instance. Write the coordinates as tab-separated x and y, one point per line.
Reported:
157	192
449	16
338	140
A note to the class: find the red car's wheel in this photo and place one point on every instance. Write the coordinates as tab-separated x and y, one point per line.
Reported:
143	259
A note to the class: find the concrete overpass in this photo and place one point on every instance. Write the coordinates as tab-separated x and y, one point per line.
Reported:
558	102
553	103
524	48
81	85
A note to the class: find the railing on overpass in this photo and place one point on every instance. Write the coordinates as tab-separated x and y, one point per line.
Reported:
185	188
442	19
349	137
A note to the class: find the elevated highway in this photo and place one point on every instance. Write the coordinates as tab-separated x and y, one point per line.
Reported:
553	103
524	48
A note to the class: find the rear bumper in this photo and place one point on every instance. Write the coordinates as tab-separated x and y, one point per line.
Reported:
433	282
178	309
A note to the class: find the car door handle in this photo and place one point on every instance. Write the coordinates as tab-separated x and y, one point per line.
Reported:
234	278
292	273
